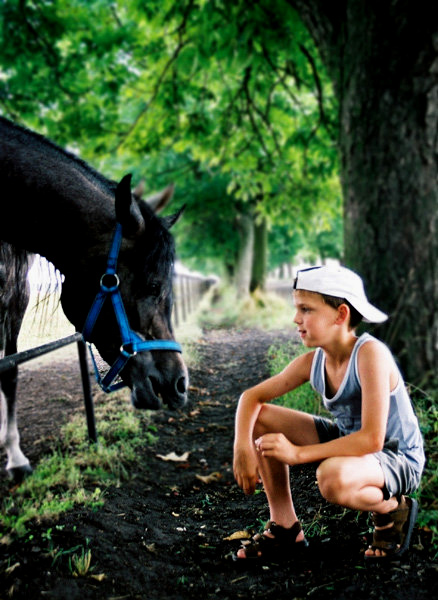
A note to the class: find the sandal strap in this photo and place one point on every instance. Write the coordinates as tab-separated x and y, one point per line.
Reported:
283	539
390	538
397	517
284	534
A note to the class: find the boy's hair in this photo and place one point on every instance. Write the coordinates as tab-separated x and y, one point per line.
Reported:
334	302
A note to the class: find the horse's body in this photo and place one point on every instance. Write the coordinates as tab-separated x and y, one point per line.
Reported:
56	205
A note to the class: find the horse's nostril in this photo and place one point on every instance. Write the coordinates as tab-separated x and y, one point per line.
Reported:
181	386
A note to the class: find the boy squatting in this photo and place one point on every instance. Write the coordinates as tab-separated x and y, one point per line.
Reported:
370	456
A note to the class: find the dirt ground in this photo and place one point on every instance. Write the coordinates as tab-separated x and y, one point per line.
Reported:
163	533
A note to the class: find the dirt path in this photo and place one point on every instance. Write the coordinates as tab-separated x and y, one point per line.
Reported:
162	534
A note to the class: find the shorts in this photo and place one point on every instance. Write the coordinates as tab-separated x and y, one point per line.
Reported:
399	474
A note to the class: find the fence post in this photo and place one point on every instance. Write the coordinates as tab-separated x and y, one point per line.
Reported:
86	386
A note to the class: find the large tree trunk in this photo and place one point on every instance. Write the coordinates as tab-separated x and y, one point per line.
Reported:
382	56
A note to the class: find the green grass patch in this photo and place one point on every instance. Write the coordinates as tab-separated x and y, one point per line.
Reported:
221	308
77	472
303	398
426	407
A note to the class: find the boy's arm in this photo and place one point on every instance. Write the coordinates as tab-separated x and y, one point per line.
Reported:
250	404
375	365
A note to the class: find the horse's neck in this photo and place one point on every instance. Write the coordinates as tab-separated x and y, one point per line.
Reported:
65	238
67	225
52	203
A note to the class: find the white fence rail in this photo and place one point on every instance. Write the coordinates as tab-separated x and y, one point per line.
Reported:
188	290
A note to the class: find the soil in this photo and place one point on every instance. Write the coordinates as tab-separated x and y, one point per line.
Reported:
162	534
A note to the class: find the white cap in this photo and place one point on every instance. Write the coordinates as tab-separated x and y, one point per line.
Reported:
342	283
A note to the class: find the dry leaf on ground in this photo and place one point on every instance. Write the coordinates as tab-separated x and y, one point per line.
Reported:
215	476
174	457
238	535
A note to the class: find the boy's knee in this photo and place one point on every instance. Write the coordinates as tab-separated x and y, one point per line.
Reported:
262	423
332	480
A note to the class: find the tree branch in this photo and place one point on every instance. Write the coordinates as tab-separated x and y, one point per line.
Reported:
181	44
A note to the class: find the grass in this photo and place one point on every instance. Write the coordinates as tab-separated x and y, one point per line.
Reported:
303	398
221	308
77	473
426	407
80	563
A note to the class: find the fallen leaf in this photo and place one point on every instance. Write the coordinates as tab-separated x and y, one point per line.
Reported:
238	535
215	476
12	568
198	390
6	540
98	577
174	457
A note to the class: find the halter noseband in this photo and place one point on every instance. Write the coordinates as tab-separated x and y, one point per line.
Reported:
131	341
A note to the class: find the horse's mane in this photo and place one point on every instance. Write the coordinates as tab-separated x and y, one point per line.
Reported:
22	134
14	264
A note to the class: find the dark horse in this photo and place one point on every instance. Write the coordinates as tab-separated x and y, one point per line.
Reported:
55	205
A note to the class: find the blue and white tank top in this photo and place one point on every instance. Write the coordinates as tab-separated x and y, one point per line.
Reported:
346	405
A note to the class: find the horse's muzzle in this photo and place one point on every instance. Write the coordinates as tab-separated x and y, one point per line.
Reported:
154	392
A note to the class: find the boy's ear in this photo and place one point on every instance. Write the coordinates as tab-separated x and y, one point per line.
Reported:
343	314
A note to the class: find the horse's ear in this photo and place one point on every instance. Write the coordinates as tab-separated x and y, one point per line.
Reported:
160	200
172	219
127	212
139	190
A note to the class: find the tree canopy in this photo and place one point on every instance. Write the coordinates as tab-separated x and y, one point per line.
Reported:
198	91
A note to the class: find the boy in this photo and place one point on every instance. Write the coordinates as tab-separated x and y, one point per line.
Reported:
369	457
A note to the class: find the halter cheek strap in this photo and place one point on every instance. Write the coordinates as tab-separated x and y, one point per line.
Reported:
132	343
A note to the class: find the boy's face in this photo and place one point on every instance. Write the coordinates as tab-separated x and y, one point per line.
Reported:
314	318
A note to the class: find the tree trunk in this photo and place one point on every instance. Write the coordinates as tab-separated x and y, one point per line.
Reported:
245	225
383	59
259	262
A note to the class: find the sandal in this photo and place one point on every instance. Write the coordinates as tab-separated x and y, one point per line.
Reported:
394	541
263	548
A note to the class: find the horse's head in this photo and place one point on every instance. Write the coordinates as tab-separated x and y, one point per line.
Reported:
145	271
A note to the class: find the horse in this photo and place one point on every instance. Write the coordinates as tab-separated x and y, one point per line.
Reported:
56	205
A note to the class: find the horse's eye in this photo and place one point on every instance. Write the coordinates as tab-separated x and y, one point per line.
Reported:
154	288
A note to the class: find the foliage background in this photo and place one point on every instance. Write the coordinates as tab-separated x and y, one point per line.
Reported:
226	99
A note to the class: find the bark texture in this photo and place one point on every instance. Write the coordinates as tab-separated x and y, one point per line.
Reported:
383	59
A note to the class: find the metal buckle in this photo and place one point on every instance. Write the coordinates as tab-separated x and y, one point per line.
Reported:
126	353
109	288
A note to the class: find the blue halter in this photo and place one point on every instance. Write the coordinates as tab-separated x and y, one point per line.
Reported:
131	341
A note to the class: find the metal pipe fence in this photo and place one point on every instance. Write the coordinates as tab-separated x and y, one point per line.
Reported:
13	360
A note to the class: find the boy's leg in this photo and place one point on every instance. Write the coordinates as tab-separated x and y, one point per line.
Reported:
356	483
300	429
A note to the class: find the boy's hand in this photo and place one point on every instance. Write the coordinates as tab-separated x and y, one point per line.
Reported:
246	470
276	445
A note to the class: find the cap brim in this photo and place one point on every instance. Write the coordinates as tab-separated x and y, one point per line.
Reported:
372	314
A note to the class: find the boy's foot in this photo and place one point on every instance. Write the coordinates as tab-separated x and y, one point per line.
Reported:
392	531
276	542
